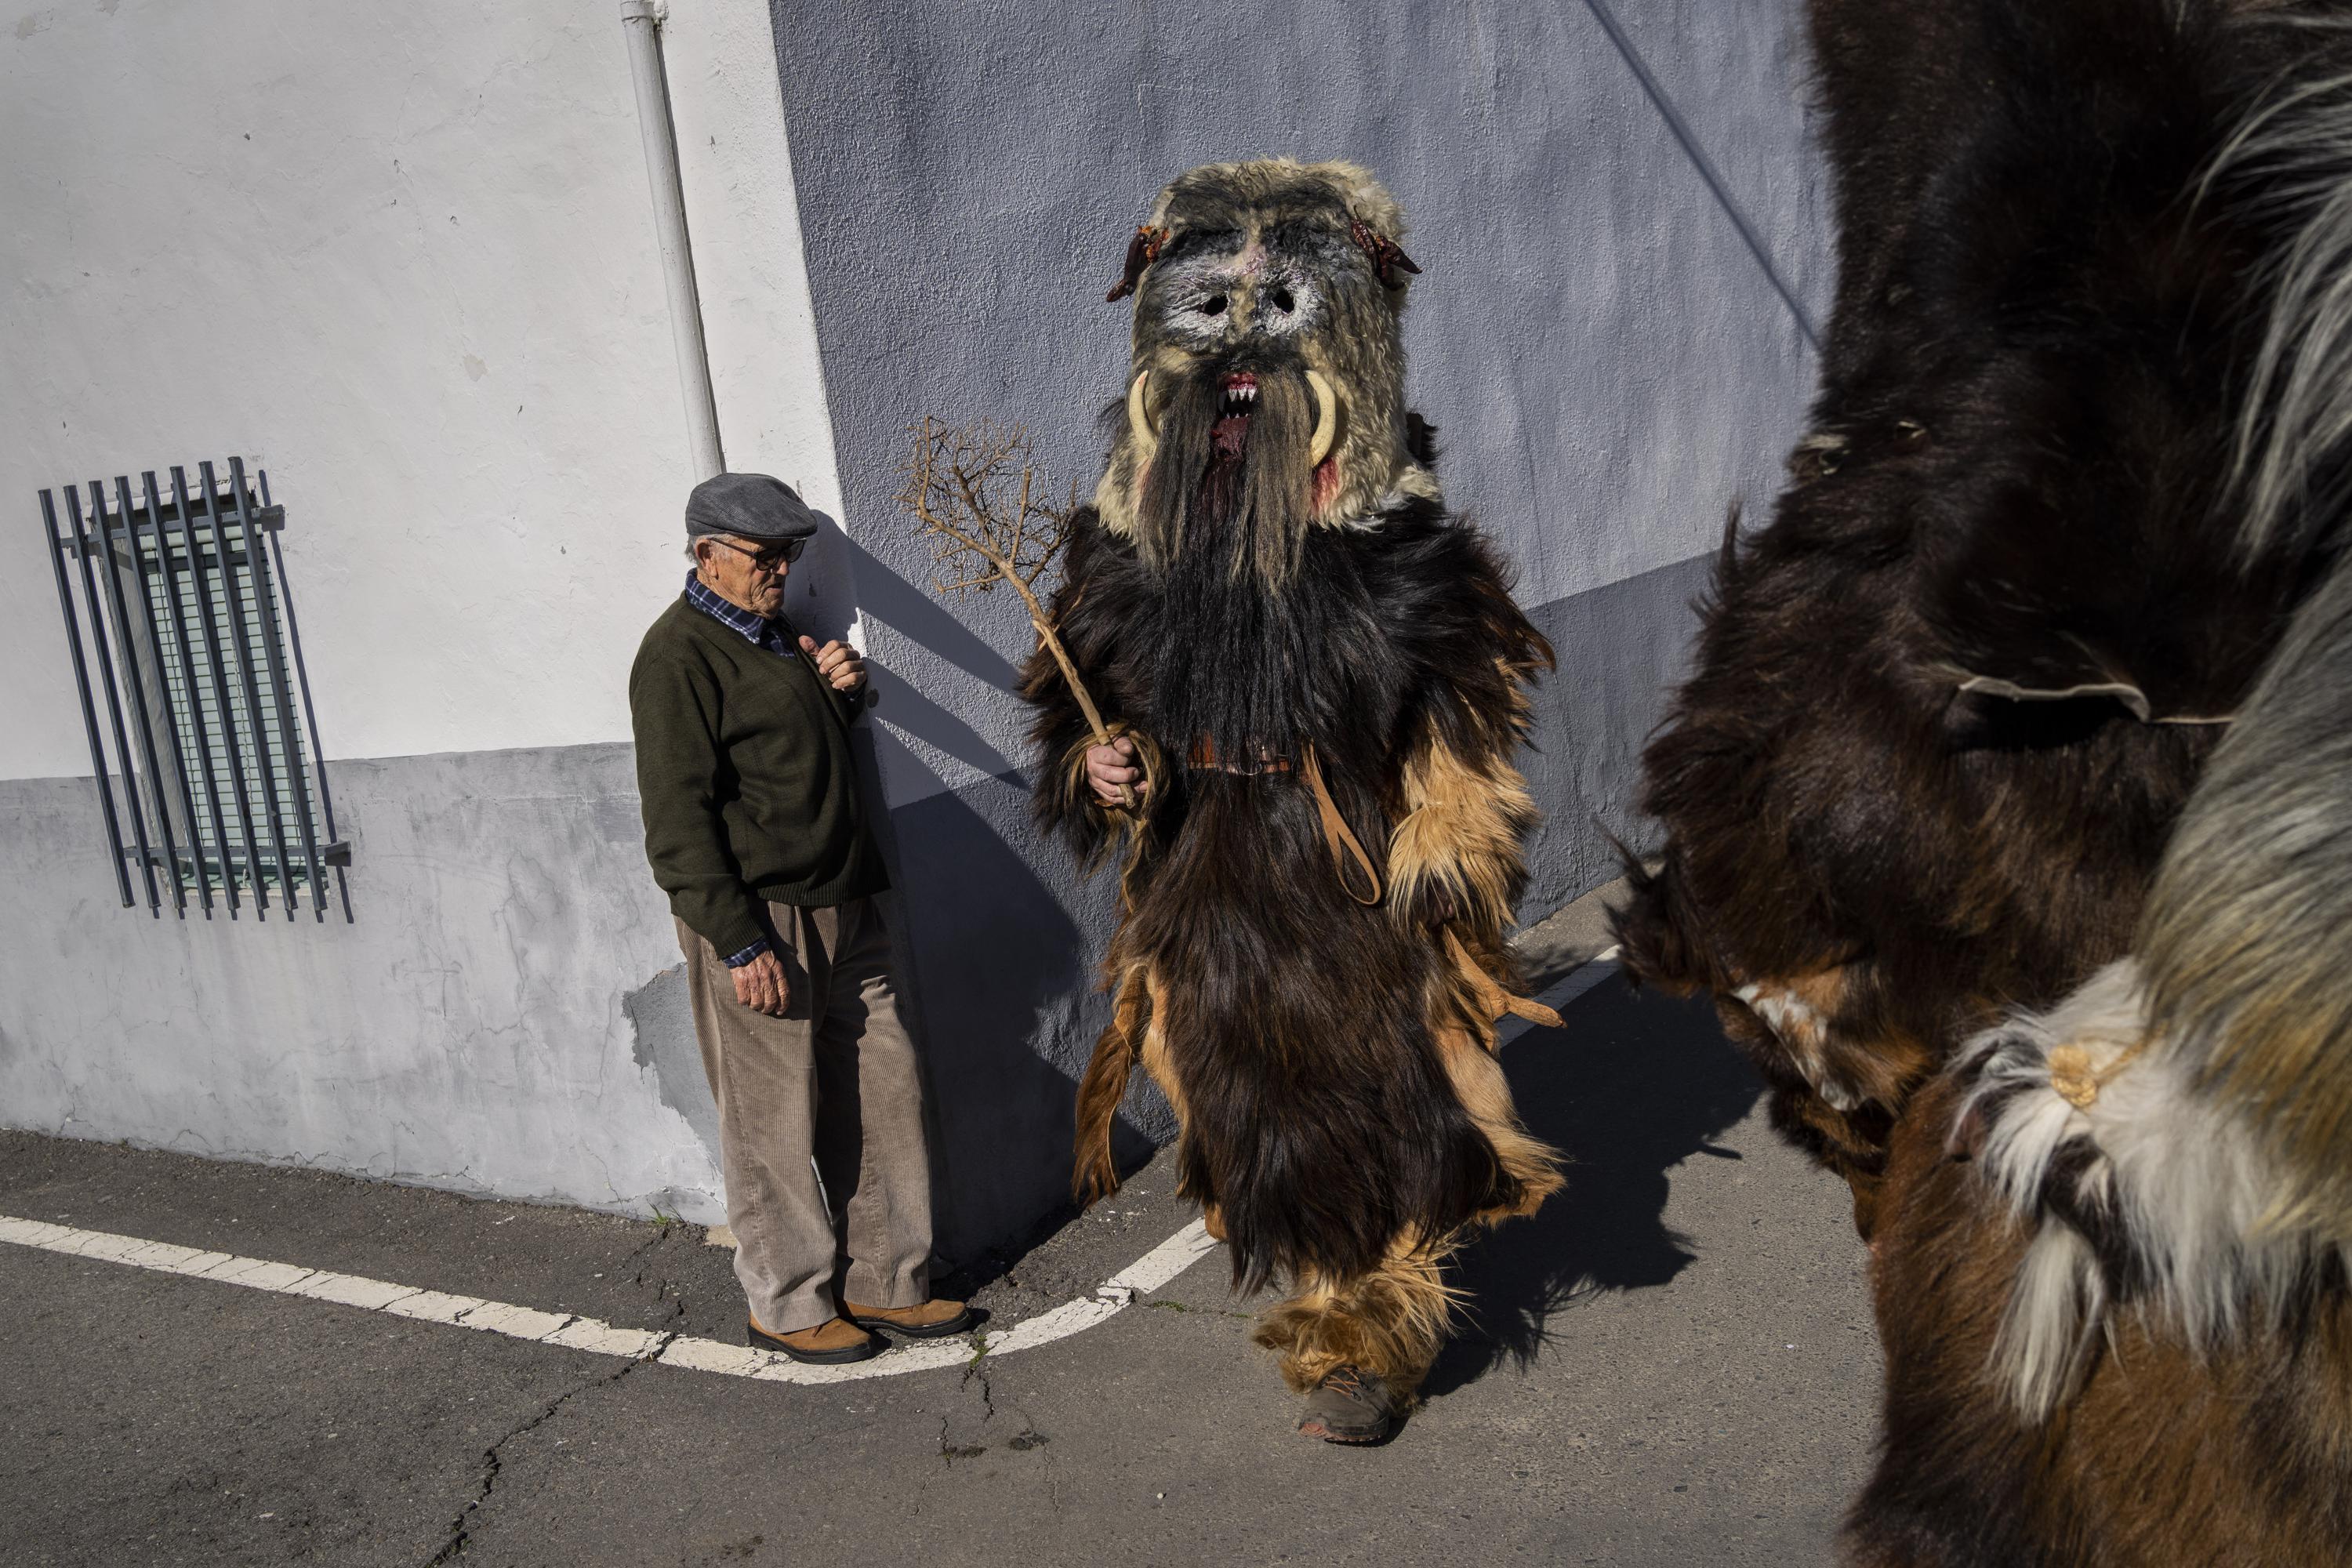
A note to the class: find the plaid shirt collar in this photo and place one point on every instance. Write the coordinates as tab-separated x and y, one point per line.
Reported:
753	628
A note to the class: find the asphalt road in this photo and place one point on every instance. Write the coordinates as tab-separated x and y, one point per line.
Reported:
1673	1364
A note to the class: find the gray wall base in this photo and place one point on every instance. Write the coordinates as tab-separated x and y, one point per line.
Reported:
483	1027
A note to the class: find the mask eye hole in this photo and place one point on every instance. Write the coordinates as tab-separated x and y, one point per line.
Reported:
1282	301
1214	305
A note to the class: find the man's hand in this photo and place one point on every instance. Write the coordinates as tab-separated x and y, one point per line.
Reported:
837	664
760	985
1112	767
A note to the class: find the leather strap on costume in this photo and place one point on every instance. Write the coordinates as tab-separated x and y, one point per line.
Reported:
1492	998
1203	756
1345	845
1337	834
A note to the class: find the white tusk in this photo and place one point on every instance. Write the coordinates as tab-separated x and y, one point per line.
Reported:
1326	418
1139	421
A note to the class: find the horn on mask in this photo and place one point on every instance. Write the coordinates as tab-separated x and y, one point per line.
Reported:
1139	419
1326	418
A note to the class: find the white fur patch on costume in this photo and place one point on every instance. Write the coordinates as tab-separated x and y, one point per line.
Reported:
2055	1311
2185	1183
1413	483
1800	1027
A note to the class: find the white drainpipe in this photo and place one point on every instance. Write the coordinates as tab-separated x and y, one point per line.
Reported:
641	20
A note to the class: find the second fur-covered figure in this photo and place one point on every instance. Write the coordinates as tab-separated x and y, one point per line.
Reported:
1327	676
2007	809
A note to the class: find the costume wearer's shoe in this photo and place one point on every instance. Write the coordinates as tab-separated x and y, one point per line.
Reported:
929	1319
835	1339
1349	1405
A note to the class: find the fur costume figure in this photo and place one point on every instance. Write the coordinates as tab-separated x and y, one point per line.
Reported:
1328	675
2010	811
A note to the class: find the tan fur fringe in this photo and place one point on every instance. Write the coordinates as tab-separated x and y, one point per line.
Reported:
1390	1323
1077	788
1461	832
1478	1080
1102	1090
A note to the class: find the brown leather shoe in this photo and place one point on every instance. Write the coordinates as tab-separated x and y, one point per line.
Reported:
835	1339
931	1319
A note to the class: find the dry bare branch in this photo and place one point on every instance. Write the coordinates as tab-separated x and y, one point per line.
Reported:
973	492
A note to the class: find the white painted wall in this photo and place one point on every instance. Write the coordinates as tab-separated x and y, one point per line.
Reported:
758	324
403	255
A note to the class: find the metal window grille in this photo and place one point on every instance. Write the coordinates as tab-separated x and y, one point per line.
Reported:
198	663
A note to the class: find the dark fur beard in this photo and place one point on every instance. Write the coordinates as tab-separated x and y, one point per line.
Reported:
1232	678
1246	512
1230	530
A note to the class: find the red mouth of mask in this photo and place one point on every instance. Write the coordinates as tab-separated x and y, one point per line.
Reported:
1231	432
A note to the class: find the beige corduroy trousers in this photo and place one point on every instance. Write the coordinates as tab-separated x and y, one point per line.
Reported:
837	1079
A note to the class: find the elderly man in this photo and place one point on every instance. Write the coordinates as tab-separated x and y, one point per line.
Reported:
754	829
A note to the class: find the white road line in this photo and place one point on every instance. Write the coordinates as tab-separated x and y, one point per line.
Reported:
1152	1271
1156	1268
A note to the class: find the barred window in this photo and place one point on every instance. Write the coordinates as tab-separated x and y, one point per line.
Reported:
185	638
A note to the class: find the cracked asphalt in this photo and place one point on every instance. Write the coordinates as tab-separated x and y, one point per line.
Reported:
1673	1362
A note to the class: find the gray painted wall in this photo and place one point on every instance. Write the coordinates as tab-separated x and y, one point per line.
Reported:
1608	365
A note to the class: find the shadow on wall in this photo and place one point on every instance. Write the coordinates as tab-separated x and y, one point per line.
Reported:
915	614
1635	1084
661	1025
997	971
1004	991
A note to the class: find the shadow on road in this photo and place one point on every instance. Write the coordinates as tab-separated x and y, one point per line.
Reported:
1634	1084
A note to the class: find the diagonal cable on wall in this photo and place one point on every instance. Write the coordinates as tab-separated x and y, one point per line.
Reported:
1706	170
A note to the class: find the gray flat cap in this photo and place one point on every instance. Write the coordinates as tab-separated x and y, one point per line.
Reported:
749	506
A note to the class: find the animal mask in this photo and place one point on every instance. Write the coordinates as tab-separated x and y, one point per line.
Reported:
1266	394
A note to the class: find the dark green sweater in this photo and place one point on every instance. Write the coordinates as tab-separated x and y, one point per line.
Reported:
745	778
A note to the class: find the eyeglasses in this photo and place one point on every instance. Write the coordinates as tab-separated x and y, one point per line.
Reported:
767	559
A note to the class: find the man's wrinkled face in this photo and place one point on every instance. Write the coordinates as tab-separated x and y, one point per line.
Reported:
747	573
